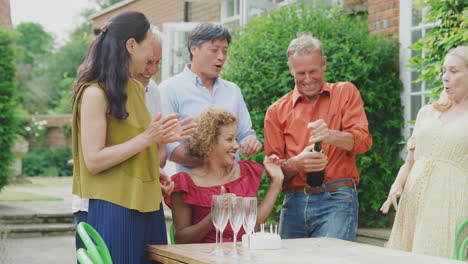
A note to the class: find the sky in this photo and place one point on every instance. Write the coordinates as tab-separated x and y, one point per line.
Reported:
58	17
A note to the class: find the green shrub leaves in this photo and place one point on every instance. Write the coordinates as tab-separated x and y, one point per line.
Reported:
8	124
258	64
45	162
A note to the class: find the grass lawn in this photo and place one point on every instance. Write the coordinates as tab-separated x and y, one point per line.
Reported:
9	194
43	181
15	192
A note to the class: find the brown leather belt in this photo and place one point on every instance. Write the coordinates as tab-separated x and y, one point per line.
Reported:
329	187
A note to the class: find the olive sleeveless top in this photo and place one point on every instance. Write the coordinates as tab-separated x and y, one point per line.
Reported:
132	184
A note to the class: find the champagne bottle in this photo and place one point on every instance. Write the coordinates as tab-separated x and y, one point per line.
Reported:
315	178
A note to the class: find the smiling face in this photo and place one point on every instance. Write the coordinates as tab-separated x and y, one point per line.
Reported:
308	71
140	52
225	148
209	58
455	78
152	64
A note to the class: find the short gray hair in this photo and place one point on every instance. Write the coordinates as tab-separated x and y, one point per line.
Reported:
304	44
156	33
207	32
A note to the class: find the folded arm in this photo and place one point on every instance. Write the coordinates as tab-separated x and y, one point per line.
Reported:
185	232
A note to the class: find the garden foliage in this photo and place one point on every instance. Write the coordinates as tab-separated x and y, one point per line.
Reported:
8	124
450	30
45	162
258	64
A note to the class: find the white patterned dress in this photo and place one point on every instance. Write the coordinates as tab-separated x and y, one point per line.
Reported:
435	198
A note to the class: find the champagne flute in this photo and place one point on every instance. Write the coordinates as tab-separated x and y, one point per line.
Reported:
250	219
219	216
236	218
215	218
250	216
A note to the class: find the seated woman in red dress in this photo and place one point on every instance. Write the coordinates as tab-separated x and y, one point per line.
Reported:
214	141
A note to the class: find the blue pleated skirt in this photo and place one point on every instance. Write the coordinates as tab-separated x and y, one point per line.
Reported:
127	232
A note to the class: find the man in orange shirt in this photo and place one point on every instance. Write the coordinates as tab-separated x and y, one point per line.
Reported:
315	111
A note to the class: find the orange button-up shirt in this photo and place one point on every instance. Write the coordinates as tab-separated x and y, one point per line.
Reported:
340	106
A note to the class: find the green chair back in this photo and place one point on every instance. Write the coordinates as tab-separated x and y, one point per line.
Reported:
83	257
460	249
96	248
172	234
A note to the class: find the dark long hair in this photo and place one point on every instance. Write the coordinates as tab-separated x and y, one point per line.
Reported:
108	60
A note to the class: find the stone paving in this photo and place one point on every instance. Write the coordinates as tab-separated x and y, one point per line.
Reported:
61	249
50	249
40	250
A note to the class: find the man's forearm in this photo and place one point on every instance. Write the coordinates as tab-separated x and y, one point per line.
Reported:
342	140
181	156
289	169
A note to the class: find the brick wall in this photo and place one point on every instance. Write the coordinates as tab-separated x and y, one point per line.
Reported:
157	12
383	17
54	137
204	11
5	16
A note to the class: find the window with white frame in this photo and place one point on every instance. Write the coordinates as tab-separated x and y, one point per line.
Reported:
236	13
175	52
230	13
412	28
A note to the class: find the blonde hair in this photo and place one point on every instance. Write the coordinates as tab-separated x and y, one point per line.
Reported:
444	103
208	130
304	44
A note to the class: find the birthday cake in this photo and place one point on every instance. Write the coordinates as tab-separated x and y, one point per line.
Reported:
262	240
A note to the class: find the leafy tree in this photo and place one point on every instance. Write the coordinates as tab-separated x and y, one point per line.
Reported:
8	123
258	64
33	43
45	82
34	46
62	69
450	30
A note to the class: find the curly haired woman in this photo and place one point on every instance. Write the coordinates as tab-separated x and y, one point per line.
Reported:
214	142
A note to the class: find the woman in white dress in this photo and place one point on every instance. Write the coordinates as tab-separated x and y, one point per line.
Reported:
433	181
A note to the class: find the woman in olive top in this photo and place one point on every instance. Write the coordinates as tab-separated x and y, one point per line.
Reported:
115	142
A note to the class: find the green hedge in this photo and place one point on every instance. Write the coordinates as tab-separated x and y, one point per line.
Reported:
258	64
450	29
45	162
8	124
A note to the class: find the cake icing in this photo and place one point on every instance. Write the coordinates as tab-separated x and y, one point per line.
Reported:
262	240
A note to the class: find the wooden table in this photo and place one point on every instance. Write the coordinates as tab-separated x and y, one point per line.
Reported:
322	250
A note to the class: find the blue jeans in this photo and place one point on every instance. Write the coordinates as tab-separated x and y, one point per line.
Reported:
329	214
78	217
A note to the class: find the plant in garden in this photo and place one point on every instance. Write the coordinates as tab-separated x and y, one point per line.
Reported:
258	64
450	30
45	162
37	131
8	105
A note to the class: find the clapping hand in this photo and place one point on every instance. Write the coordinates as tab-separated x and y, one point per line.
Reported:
167	185
250	146
169	129
272	165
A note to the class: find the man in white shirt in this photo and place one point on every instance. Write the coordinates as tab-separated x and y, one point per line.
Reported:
199	87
